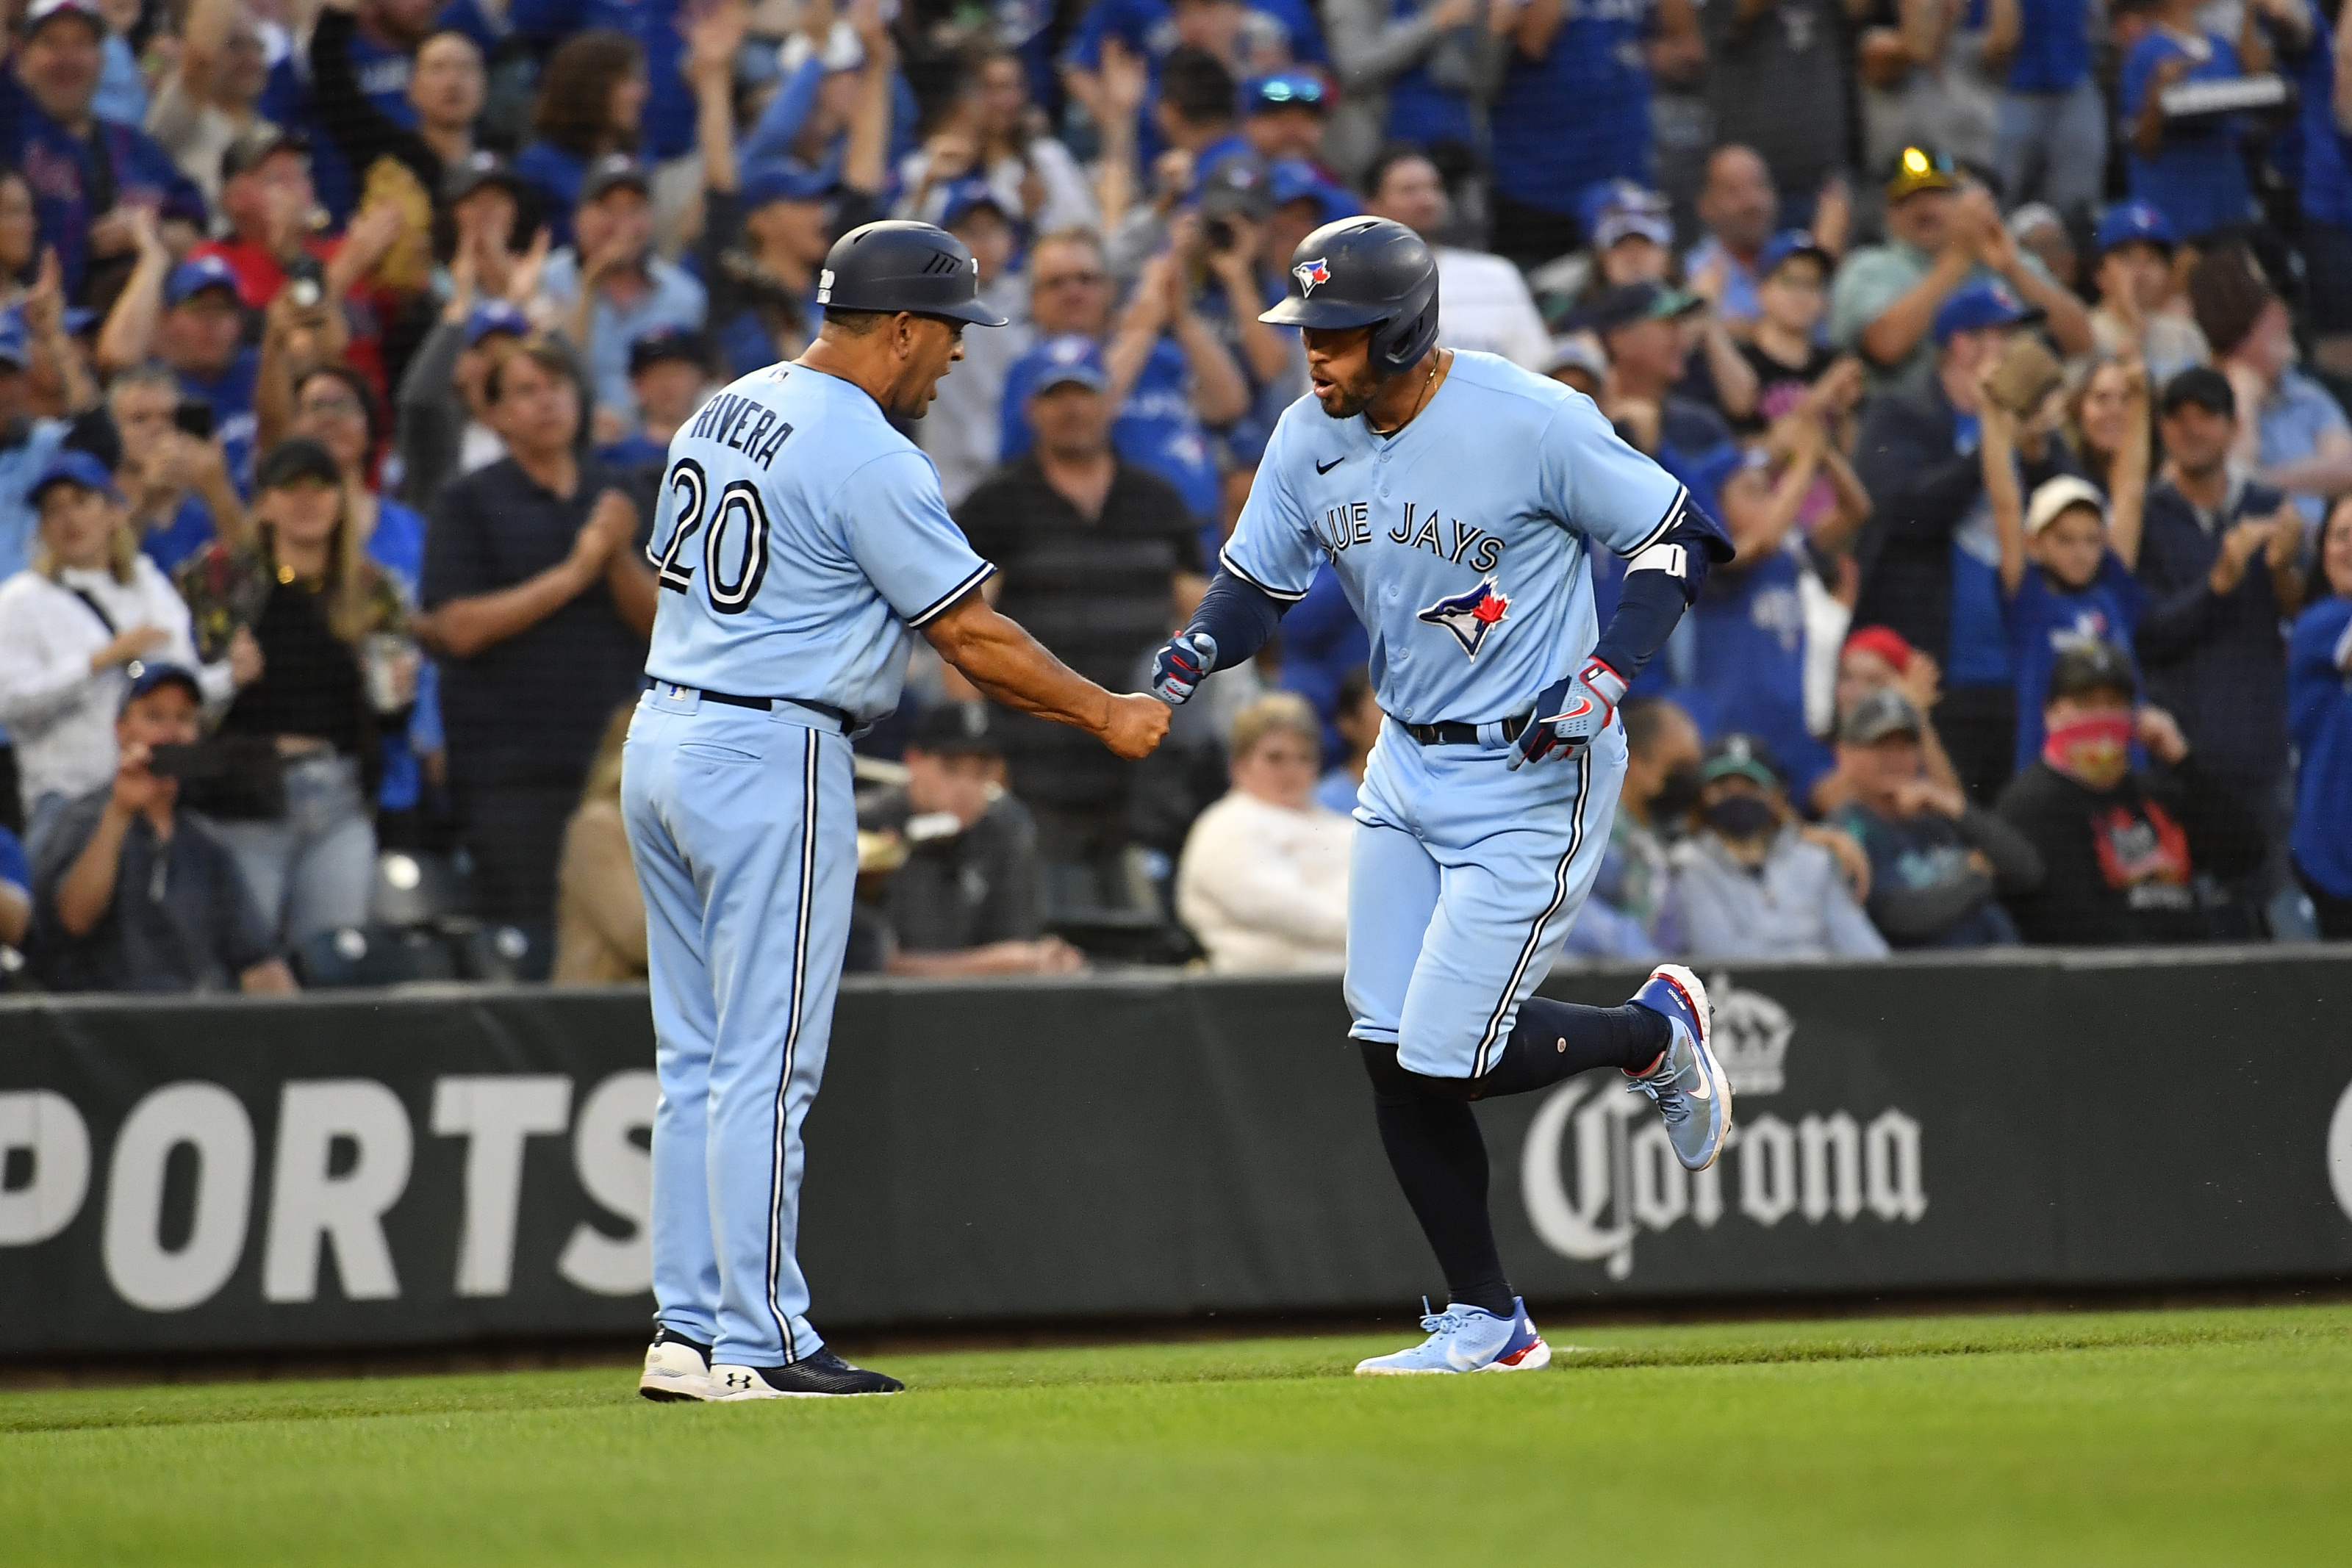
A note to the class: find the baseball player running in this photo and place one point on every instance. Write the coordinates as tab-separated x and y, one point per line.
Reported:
1457	496
802	540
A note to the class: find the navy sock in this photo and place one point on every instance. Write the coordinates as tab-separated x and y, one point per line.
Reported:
1553	1040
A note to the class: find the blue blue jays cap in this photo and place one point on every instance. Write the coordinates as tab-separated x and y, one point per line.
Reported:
495	316
967	195
191	279
1284	89
2135	222
1611	210
77	468
146	677
1292	179
1072	357
1791	243
615	171
781	179
1979	306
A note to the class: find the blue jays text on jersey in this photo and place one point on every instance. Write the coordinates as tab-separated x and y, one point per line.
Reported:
1461	541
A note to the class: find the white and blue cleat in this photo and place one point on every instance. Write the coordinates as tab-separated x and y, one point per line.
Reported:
1467	1339
1686	1082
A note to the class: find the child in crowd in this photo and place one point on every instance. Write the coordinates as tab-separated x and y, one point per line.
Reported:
2067	557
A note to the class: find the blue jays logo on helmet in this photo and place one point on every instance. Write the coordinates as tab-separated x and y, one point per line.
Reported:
1310	273
1469	616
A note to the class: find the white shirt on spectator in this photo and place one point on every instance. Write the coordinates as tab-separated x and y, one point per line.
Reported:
60	713
1265	888
1068	200
1482	305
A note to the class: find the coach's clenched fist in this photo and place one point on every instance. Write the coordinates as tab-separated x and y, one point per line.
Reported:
1136	725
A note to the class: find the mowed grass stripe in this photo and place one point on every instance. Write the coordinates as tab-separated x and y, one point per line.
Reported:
2161	1439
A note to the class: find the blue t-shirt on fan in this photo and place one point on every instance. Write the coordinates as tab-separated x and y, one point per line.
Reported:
1580	114
2053	45
1979	654
2198	178
1748	664
2045	620
383	76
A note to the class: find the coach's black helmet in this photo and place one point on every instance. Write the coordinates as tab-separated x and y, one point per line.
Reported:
900	266
1366	272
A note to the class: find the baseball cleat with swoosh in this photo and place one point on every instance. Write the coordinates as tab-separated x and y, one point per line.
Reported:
1686	1082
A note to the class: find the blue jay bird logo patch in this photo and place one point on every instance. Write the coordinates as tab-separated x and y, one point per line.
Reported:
1469	616
1309	274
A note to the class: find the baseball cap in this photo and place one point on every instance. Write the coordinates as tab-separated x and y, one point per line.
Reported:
146	677
1292	179
663	344
1618	210
16	343
781	179
1575	351
1979	306
2052	496
256	145
2203	385
614	172
1920	169
1235	185
41	12
1644	301
191	279
951	729
1878	714
71	467
1884	640
2135	222
295	458
1072	357
479	167
2093	667
1744	755
1284	89
2033	217
966	196
1791	243
492	315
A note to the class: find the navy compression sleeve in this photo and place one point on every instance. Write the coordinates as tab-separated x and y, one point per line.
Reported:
1239	614
1661	583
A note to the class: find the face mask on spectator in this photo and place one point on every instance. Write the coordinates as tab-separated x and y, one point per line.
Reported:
1741	817
2093	750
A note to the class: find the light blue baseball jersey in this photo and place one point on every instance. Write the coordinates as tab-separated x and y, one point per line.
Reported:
795	564
1462	540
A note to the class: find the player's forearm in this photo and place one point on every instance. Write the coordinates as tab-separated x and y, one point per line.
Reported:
1240	616
996	654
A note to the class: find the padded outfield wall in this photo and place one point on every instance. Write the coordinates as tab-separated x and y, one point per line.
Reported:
456	1166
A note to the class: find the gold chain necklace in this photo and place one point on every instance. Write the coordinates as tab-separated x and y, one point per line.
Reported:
1427	382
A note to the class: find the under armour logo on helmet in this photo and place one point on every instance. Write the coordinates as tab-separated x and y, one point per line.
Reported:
1311	273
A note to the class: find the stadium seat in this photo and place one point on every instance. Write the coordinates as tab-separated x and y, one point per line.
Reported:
508	952
371	956
417	888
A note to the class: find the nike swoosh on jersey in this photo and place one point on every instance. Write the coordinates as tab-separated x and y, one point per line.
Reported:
1327	467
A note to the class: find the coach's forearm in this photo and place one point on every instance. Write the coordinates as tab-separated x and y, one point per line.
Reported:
996	654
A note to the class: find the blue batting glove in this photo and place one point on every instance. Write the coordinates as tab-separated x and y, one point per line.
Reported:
1178	669
1571	713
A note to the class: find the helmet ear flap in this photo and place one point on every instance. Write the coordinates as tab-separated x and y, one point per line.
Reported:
1403	341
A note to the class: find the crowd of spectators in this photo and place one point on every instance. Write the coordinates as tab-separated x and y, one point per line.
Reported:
341	340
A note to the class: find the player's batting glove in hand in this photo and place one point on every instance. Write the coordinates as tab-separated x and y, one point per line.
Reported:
1571	713
1178	668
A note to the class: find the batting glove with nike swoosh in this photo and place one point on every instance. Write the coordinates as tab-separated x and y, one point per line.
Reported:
1178	669
1571	713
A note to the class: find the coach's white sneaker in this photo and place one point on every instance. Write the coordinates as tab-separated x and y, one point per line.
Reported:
676	1368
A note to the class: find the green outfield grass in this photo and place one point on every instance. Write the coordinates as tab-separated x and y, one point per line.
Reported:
2195	1437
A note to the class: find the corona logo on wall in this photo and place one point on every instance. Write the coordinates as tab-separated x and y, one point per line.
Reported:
1598	1168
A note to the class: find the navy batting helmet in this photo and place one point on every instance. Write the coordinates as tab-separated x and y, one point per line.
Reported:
900	266
1366	272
